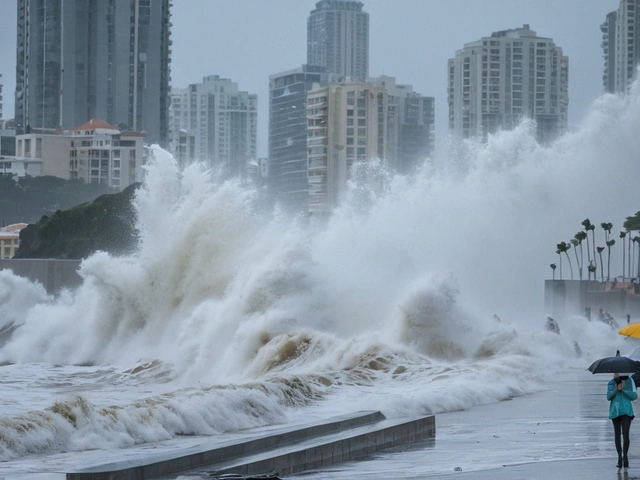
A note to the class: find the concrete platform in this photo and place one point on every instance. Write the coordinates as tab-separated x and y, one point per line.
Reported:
286	450
584	469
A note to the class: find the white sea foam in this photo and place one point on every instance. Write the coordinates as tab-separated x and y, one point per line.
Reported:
229	318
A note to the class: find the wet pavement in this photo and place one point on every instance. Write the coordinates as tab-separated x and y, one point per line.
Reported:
562	433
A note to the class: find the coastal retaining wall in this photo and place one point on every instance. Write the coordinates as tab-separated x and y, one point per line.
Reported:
571	297
54	274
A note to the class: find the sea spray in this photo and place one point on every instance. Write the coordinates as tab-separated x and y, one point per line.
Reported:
251	318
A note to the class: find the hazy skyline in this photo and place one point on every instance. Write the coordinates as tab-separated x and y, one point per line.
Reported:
248	40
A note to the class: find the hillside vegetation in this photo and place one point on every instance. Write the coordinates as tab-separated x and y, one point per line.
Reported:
106	224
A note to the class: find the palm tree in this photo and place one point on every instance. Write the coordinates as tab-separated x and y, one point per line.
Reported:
600	249
586	223
610	243
563	247
575	244
607	230
580	236
632	224
635	239
624	259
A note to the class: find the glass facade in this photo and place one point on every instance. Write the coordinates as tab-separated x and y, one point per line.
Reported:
72	64
287	182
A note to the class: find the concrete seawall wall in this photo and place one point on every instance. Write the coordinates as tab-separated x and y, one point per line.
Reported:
571	297
53	274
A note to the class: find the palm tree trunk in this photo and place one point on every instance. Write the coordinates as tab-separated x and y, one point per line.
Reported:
589	257
601	268
624	260
575	251
560	262
629	256
569	260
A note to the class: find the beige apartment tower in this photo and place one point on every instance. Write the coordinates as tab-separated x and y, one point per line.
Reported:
346	124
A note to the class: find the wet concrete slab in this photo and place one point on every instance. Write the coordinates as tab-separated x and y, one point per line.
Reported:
561	433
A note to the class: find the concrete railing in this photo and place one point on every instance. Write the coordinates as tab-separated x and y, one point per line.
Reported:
54	274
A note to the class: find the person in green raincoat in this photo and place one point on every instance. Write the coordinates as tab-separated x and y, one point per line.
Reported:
621	391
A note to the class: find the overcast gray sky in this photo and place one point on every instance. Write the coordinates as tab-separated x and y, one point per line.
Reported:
247	40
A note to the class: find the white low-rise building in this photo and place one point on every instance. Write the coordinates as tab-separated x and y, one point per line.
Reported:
95	152
10	240
100	153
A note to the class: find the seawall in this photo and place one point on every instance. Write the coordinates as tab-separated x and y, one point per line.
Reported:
571	297
54	274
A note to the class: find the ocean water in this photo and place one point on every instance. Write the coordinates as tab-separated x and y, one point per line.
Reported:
230	317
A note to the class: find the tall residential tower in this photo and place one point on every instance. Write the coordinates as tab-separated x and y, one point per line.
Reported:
347	124
223	121
498	81
79	59
287	182
338	38
621	46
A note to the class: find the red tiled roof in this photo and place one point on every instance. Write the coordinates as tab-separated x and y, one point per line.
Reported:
93	124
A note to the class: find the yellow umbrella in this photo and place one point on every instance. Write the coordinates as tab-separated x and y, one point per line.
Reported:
631	330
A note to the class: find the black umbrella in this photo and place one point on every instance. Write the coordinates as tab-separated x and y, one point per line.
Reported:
617	364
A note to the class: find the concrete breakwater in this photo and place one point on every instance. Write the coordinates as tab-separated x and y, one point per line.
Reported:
285	450
54	274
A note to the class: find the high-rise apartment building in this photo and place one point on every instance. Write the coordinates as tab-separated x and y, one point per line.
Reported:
224	121
608	29
287	179
338	38
346	124
410	125
621	46
0	96
496	82
79	59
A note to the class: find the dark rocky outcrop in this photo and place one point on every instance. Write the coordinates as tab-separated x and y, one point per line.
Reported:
106	224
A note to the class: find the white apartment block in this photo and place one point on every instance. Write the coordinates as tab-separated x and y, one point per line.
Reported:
410	125
346	124
39	154
100	153
95	152
223	120
621	46
496	82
